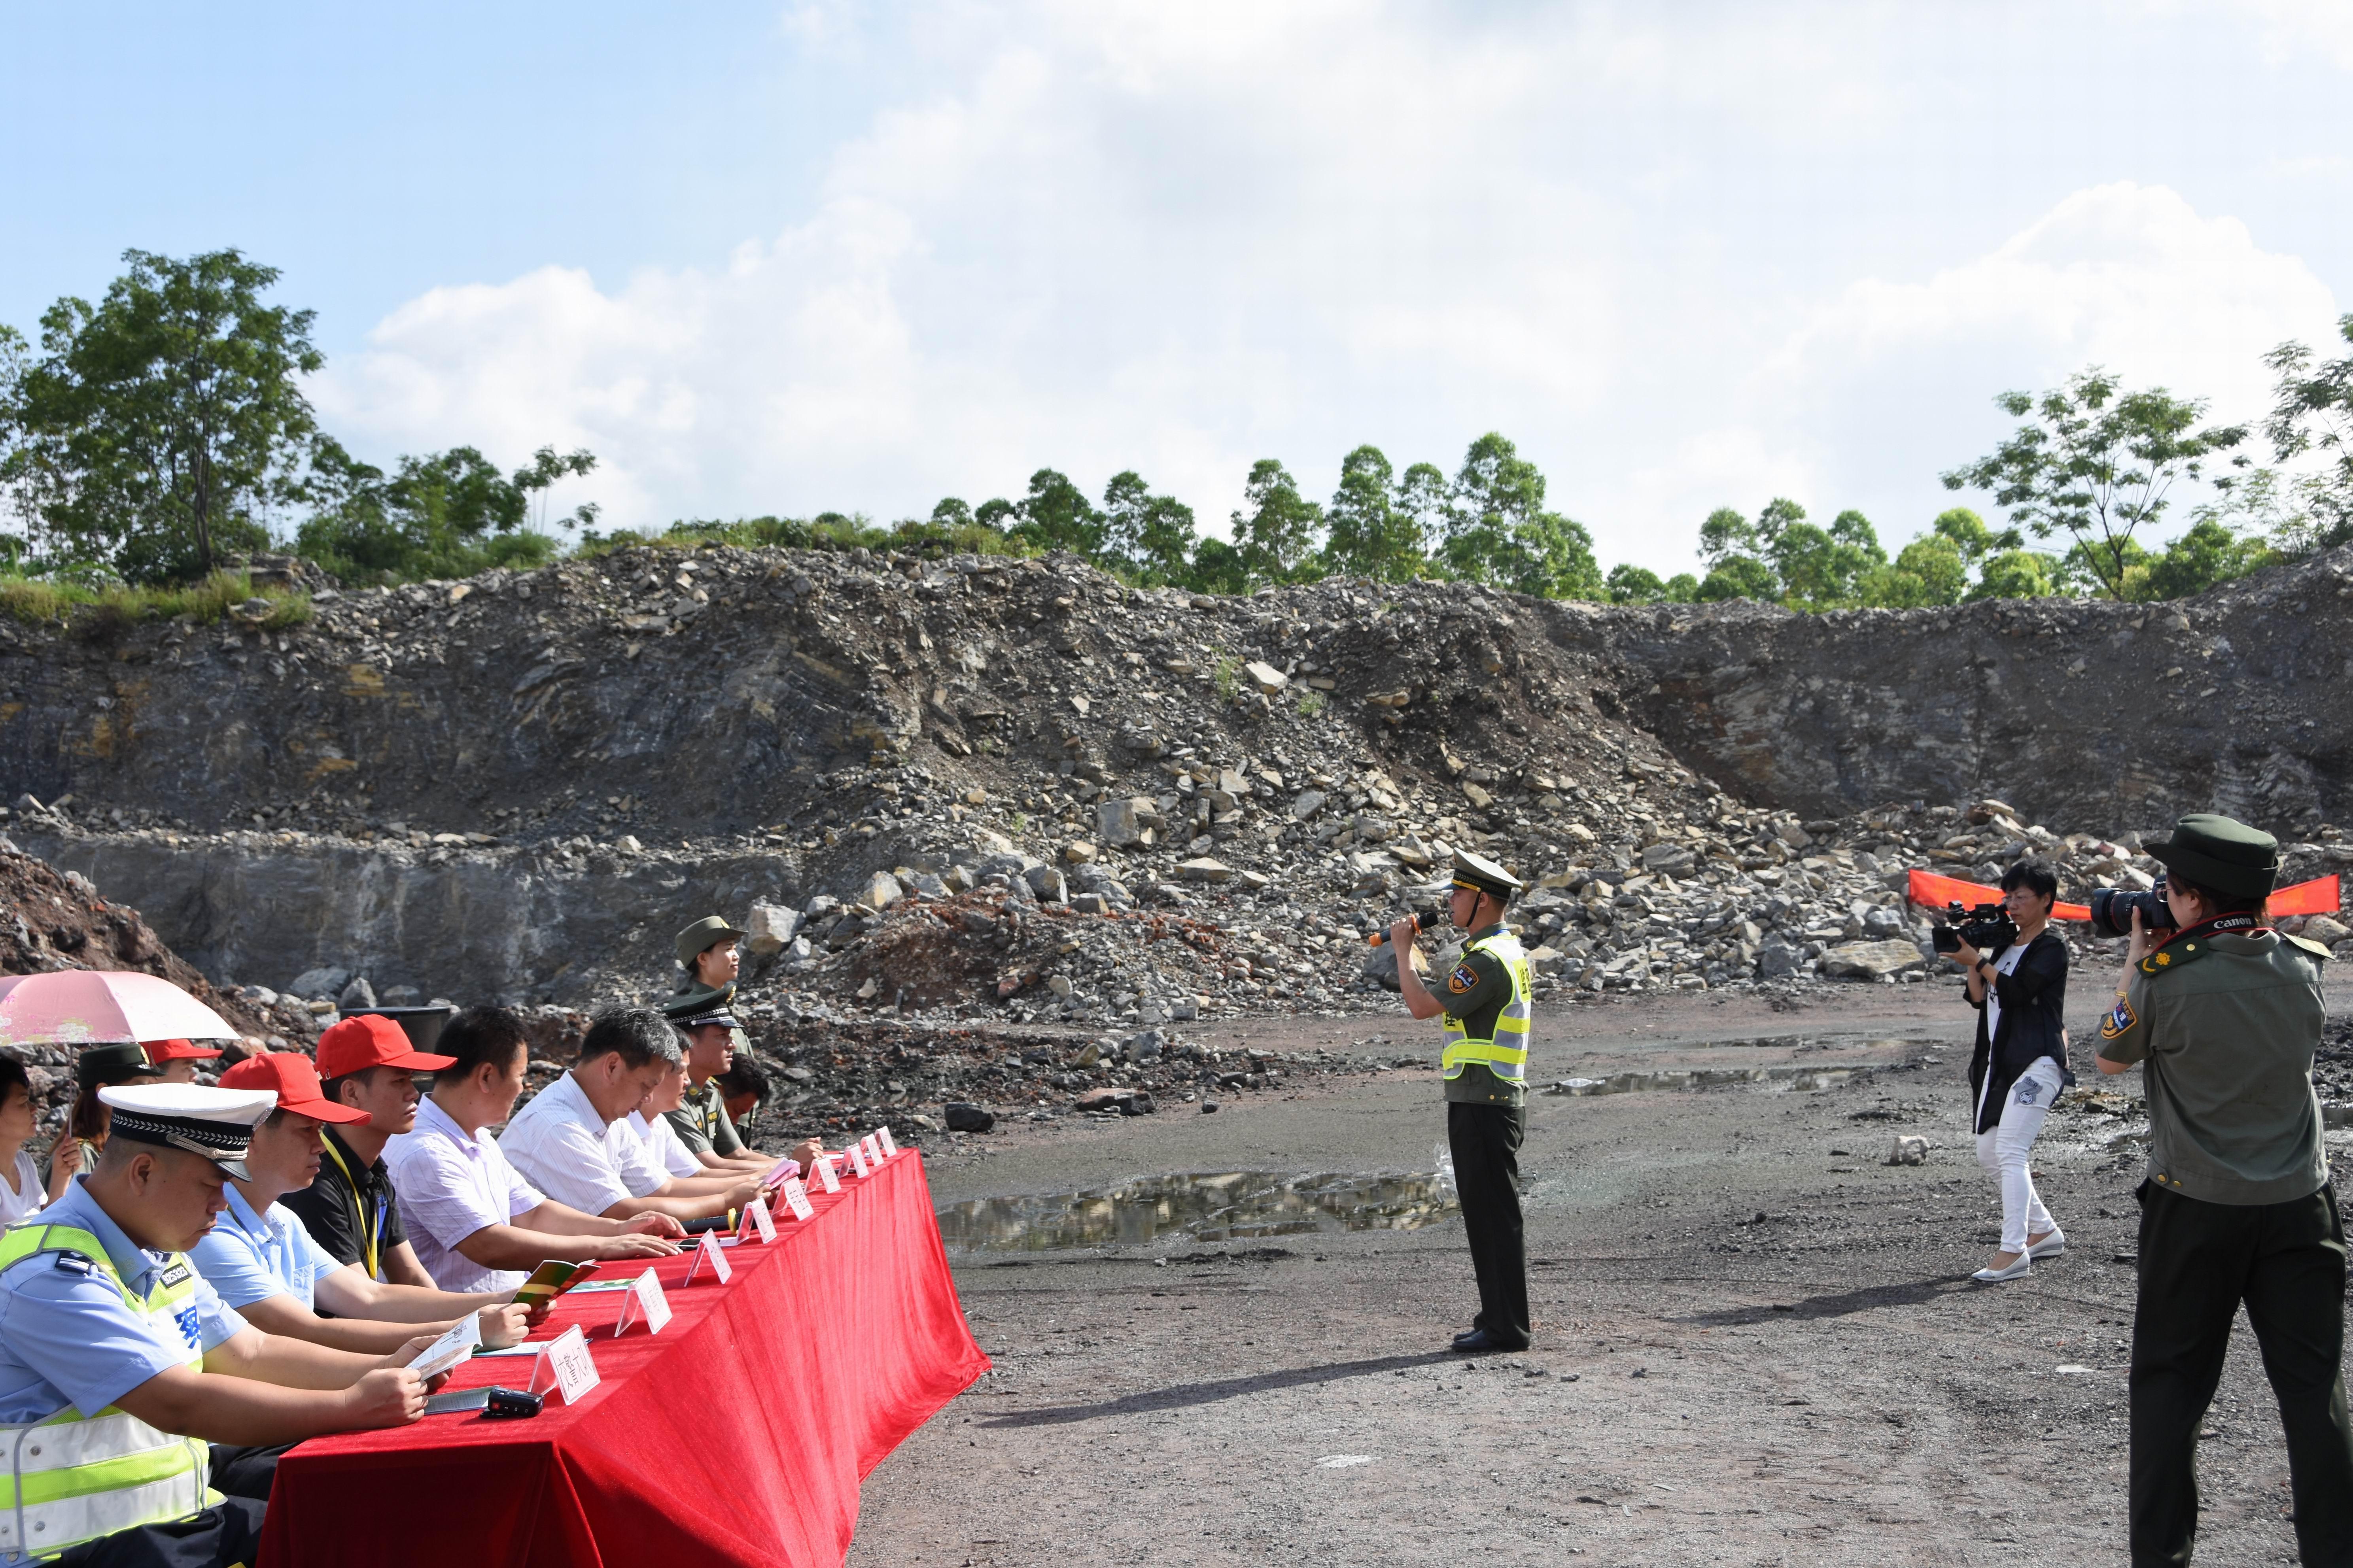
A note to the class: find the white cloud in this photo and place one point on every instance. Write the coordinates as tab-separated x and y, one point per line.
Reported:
1683	258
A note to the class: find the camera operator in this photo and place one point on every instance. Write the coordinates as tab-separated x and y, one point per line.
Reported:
2225	1015
2020	1062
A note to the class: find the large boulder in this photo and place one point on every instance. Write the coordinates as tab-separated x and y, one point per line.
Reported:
770	927
1872	960
1126	823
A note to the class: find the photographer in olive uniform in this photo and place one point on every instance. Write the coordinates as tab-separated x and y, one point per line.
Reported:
1487	1010
2225	1014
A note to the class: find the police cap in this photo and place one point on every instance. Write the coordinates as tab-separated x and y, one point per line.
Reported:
1478	872
2222	854
702	936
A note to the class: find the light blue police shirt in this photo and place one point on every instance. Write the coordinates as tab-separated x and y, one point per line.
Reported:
67	1337
250	1257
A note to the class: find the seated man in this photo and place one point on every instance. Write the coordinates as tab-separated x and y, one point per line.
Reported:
702	1123
709	961
264	1264
663	1150
119	1360
476	1225
743	1090
367	1065
566	1140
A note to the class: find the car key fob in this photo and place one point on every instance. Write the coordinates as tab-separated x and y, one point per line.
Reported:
512	1404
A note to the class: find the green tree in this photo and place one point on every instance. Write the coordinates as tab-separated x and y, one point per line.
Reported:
2023	574
998	513
952	513
1682	588
1732	548
1497	529
1630	584
1928	571
1055	515
2098	462
1218	568
157	428
2315	413
443	514
1276	530
1150	535
1739	577
2205	555
1371	533
1823	568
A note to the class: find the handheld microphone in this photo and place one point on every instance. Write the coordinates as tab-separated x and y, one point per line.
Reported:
1420	923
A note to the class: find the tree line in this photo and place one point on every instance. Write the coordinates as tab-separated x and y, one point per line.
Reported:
150	436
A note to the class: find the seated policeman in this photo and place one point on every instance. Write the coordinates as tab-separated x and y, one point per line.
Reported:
476	1224
701	1122
367	1064
566	1140
264	1264
117	1363
651	1122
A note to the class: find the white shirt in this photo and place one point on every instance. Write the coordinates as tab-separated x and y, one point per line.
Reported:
29	1195
2006	964
662	1145
450	1186
563	1143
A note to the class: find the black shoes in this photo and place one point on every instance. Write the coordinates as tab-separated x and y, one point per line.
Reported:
1479	1341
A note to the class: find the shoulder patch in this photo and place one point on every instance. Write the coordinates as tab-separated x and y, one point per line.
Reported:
2172	956
2318	952
2120	1020
1463	979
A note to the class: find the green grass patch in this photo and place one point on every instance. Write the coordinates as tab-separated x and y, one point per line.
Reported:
48	601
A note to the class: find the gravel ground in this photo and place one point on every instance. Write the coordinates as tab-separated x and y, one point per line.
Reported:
1755	1342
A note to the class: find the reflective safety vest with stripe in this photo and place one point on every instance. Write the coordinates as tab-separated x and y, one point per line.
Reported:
1505	1053
74	1477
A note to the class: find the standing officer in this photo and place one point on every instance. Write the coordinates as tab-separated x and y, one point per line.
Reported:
708	953
1486	1066
2225	1015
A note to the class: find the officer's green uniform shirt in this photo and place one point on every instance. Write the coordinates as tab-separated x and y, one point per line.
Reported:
1473	992
66	1336
702	1123
2226	1025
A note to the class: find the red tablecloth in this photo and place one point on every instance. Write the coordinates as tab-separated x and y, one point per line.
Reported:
739	1434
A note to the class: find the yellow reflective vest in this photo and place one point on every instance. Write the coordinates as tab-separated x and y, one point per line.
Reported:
1505	1053
74	1477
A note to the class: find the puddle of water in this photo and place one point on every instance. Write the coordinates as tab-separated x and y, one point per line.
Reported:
1797	1077
1229	1206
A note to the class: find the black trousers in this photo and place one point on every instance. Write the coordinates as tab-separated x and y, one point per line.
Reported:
1486	1141
228	1536
246	1472
2198	1262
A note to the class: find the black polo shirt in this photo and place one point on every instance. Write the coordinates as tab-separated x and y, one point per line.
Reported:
340	1217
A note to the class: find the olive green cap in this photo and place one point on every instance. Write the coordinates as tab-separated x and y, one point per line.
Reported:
2221	853
702	936
114	1064
1479	872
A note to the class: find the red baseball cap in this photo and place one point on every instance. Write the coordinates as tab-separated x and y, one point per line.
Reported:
368	1040
290	1076
162	1051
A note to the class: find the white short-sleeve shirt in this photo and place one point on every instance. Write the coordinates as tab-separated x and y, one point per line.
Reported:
564	1145
449	1185
662	1145
27	1195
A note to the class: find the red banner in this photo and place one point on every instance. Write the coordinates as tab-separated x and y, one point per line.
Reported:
2321	896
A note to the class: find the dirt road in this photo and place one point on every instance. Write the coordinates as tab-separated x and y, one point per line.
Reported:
1755	1342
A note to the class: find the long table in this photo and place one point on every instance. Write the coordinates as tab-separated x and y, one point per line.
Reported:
737	1436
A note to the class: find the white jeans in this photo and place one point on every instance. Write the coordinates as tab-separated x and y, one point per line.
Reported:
2004	1150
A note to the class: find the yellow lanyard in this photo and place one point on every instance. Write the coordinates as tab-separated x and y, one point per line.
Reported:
368	1233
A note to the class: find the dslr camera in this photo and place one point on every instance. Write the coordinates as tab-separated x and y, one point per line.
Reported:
1987	927
2112	911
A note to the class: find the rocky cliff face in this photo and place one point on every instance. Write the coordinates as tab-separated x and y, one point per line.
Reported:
505	785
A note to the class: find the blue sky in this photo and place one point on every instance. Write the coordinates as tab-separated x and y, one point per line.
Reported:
790	259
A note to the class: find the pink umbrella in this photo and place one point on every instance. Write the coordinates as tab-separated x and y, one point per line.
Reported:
102	1006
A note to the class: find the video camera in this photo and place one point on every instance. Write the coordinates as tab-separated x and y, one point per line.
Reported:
2112	911
1987	927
